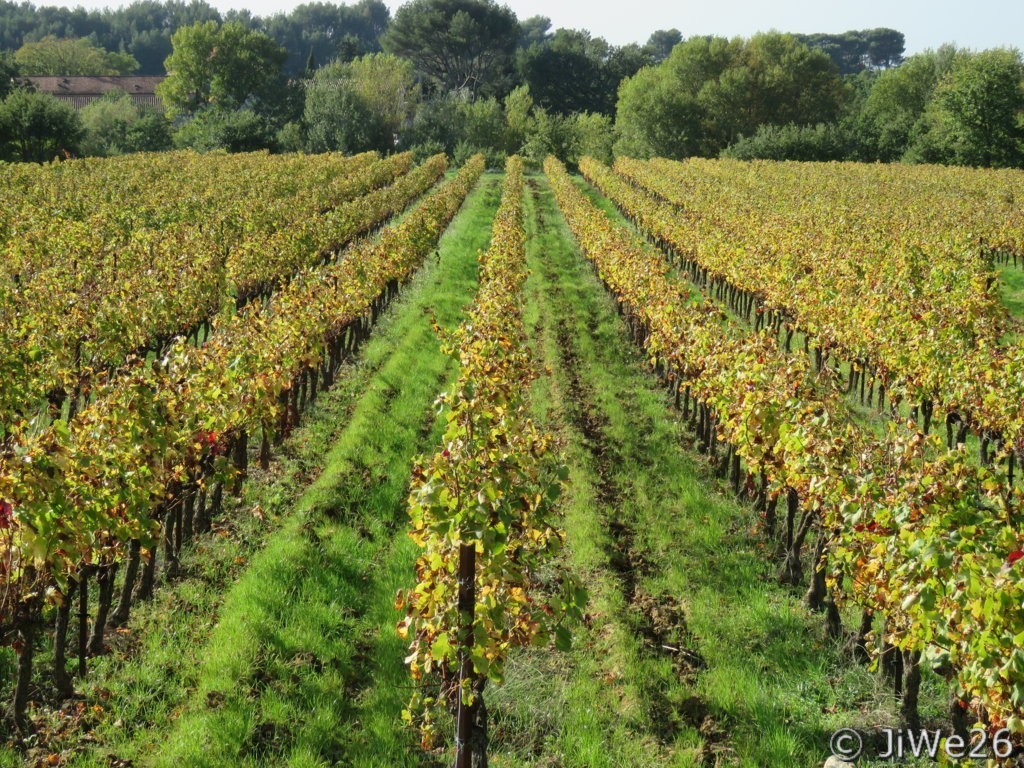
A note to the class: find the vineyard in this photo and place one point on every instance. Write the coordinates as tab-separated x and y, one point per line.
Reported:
318	460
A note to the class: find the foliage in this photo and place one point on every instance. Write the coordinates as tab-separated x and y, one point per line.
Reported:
710	91
8	71
704	94
571	71
325	32
338	120
114	125
621	62
35	127
144	28
224	66
942	106
897	101
213	128
535	30
977	114
361	105
655	117
550	134
518	107
436	123
292	137
594	137
856	51
482	130
461	126
564	78
51	56
821	143
386	85
661	42
457	44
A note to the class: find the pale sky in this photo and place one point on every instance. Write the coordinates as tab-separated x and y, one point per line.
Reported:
926	23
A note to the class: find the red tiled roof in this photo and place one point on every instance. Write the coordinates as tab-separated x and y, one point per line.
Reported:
96	86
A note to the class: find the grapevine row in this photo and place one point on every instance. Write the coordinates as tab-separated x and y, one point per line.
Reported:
169	283
121	286
113	197
482	509
146	462
864	207
922	537
931	342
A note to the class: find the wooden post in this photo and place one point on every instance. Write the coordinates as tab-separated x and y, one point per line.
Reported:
467	609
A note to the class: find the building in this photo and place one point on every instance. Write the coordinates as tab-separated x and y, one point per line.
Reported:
79	91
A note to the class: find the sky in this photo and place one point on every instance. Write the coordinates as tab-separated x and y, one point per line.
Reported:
925	23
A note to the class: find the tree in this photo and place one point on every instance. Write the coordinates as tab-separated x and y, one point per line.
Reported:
51	56
338	118
793	84
535	30
482	129
717	90
885	48
362	104
518	118
564	79
658	110
622	62
457	44
819	143
222	65
386	85
661	43
575	72
594	136
436	126
550	134
216	128
115	125
898	99
35	127
854	51
656	117
144	28
348	49
979	106
8	71
328	31
699	60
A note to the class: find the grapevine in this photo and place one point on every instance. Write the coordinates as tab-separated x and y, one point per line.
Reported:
483	510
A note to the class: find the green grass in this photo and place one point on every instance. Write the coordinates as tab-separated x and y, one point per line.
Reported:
298	662
745	678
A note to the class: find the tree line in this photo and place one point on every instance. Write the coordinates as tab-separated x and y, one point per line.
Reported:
144	28
463	76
